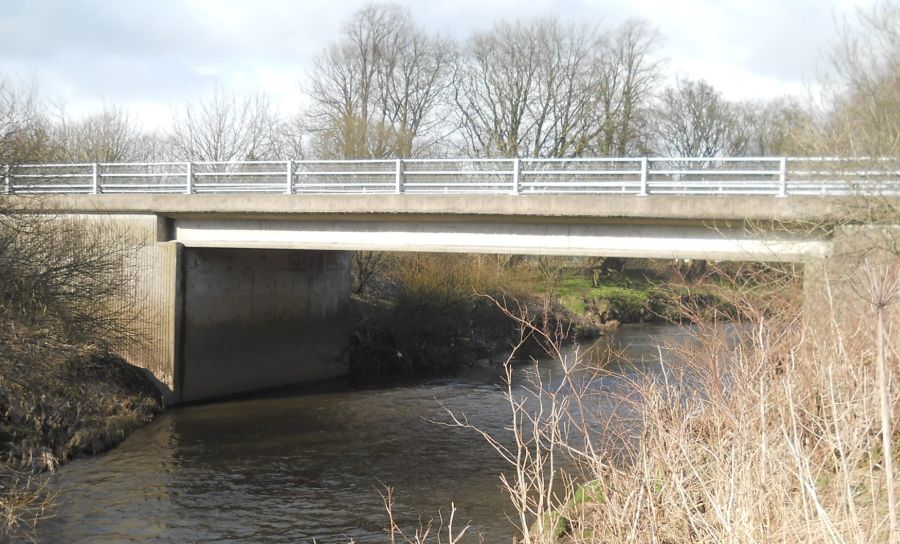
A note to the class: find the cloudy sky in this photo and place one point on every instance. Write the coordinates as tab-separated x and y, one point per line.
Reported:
149	56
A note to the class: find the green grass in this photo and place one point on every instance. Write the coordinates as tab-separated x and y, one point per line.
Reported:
624	298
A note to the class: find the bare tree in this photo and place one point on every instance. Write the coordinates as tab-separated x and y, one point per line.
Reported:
289	139
110	135
379	90
365	266
65	278
226	127
628	79
771	126
864	92
497	81
24	134
544	88
693	120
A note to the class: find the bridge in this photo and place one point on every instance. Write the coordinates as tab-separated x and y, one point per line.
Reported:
245	266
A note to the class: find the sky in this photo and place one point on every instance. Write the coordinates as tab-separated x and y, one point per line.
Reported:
151	56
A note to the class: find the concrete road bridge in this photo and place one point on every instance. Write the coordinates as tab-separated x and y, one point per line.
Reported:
245	266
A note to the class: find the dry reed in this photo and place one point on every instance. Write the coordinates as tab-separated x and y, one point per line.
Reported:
765	428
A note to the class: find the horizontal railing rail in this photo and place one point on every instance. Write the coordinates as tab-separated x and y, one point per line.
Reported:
773	176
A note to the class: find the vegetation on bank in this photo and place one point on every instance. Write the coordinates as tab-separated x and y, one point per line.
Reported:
57	402
643	295
772	430
64	302
426	314
421	314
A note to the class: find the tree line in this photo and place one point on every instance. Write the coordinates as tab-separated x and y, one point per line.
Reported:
388	88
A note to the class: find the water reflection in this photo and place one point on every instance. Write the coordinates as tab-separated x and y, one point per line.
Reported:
308	465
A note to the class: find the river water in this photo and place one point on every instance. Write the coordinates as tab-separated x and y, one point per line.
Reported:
307	465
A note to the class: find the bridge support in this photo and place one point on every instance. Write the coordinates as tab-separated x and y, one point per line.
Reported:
216	322
256	318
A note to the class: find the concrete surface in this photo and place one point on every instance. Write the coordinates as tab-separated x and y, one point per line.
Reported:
255	319
663	241
694	208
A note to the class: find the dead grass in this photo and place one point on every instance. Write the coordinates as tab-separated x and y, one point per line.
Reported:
764	429
24	501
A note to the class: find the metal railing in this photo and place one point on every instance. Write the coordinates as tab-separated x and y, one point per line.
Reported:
774	176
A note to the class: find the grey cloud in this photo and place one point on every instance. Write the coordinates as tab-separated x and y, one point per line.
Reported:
166	79
107	29
174	50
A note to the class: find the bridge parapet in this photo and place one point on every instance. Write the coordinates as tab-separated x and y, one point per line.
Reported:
725	176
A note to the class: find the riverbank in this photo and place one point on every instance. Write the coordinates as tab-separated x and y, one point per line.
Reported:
427	314
58	402
400	339
644	290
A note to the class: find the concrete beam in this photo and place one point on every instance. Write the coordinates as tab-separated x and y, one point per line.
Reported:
611	240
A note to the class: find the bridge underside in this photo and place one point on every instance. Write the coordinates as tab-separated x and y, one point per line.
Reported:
667	240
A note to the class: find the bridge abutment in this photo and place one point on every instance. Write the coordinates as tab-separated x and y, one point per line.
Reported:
212	322
256	318
158	311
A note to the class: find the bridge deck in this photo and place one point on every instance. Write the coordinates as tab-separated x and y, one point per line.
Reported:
735	228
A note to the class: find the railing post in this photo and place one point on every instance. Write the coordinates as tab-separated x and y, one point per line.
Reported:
290	178
782	177
645	171
517	170
398	176
7	185
95	180
189	181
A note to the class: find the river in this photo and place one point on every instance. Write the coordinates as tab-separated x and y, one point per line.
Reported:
307	465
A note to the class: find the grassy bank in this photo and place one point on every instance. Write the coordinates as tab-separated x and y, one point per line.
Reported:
642	291
596	307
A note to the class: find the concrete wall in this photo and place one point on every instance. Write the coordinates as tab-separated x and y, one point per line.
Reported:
152	308
157	311
213	322
255	319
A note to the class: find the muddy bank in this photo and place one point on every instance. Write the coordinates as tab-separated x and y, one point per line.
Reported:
403	338
426	314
